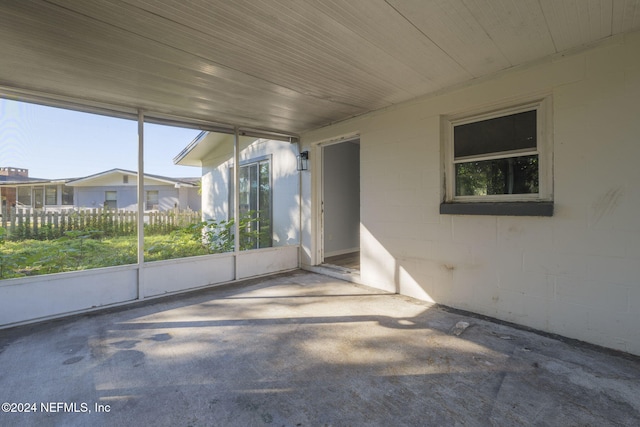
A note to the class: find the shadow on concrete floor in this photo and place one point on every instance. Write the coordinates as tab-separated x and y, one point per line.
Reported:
303	349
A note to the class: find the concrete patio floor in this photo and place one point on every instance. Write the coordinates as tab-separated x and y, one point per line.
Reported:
302	349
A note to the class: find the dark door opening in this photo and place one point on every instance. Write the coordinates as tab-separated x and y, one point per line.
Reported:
341	204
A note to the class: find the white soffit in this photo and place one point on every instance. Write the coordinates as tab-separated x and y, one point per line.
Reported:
282	65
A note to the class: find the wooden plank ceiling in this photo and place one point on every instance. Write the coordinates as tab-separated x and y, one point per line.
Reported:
283	65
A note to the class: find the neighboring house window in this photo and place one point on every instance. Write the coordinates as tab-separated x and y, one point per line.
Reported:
125	179
153	200
67	196
501	159
111	199
255	203
38	197
24	196
51	195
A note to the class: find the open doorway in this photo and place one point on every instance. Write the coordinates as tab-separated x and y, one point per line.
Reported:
341	205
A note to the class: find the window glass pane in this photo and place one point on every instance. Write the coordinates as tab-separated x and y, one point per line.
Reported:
110	200
515	175
248	184
172	220
24	196
244	181
265	207
72	233
513	132
38	197
255	205
67	196
231	195
253	188
152	199
51	195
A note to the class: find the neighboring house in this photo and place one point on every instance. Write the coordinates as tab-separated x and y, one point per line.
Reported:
18	189
115	189
268	181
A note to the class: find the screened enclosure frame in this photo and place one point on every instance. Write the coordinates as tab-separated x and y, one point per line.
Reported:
141	117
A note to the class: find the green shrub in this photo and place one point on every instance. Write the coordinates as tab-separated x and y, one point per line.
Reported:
86	249
218	236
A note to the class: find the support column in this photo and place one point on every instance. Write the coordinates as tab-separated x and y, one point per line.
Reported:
236	199
140	204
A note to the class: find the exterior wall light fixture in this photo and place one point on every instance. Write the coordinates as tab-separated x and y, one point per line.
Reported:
303	161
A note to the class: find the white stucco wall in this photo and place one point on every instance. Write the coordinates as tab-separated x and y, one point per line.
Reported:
576	273
189	198
285	184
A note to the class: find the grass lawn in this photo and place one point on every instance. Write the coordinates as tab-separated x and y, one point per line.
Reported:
34	257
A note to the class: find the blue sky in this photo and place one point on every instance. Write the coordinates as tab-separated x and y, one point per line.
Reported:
56	143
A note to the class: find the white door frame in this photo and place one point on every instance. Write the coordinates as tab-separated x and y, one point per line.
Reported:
317	194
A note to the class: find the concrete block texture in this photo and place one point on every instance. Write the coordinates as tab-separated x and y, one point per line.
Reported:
585	257
302	349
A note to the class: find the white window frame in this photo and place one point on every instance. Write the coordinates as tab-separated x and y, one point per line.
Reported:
25	189
47	190
255	161
109	192
544	150
232	187
69	191
148	205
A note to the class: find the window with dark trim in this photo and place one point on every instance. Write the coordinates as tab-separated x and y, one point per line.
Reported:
51	195
67	196
24	196
499	163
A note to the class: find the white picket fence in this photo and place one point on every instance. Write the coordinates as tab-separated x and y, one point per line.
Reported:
37	223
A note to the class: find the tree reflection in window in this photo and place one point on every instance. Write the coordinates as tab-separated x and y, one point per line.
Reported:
255	204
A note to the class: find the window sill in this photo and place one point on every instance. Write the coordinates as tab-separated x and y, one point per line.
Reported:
498	208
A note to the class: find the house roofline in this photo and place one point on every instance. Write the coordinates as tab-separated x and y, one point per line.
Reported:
33	181
252	133
186	150
166	179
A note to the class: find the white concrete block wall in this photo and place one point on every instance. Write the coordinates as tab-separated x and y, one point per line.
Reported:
576	273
